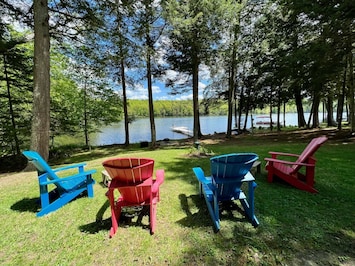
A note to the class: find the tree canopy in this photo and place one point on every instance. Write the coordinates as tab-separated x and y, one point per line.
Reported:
250	54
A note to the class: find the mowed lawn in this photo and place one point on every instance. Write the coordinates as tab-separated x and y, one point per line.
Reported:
296	227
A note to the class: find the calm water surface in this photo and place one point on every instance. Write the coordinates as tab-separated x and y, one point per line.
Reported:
139	130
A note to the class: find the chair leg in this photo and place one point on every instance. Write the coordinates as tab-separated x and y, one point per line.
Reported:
153	218
89	186
248	205
270	174
115	217
115	212
58	203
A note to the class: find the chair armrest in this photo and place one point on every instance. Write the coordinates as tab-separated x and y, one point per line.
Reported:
69	178
159	178
201	175
78	165
160	175
274	154
287	162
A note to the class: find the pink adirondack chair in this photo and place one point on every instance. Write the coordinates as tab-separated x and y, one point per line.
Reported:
133	178
291	171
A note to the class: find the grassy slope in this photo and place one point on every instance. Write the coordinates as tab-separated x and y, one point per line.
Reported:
296	227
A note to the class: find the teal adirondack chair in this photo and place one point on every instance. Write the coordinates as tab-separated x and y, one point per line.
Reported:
67	188
228	173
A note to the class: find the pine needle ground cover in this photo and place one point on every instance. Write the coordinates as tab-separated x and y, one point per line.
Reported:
296	227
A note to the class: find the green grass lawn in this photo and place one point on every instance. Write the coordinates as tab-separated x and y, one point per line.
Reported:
296	227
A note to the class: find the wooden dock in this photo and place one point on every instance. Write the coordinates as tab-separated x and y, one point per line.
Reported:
183	130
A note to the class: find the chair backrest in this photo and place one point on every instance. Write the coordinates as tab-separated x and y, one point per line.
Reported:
132	177
232	166
40	164
311	148
129	170
227	172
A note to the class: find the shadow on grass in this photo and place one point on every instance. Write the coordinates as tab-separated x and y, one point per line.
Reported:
100	224
193	219
27	205
34	204
127	218
228	211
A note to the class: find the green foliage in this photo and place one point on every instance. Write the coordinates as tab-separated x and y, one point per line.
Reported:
15	91
80	104
139	108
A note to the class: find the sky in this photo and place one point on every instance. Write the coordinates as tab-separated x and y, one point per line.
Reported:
160	92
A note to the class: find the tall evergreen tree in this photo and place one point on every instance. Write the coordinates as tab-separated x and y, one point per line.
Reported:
41	91
194	34
15	90
149	27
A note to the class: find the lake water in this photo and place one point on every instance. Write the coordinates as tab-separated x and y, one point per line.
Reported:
139	130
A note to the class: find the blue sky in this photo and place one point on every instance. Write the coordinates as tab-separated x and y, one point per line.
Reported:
160	92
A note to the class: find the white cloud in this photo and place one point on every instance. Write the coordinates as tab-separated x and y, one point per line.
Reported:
184	97
140	92
137	93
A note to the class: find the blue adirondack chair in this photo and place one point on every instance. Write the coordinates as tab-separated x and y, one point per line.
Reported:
67	188
228	173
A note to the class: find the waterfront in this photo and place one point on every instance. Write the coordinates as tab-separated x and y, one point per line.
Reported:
139	129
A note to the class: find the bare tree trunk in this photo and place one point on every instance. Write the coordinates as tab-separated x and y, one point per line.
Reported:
86	123
196	130
352	94
151	105
11	110
125	104
278	124
341	100
300	112
231	92
315	111
150	90
240	108
330	110
284	114
41	90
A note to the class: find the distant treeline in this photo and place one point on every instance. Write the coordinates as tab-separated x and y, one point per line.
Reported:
162	108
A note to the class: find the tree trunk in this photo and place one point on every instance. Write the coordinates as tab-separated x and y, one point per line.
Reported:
150	99
125	104
341	100
240	107
278	124
315	111
299	106
284	114
11	110
41	80
352	94
196	130
330	110
86	124
231	92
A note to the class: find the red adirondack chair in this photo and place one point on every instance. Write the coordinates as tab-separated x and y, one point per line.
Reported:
133	178
291	171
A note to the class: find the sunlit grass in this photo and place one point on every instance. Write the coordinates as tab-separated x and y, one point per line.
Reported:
296	227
